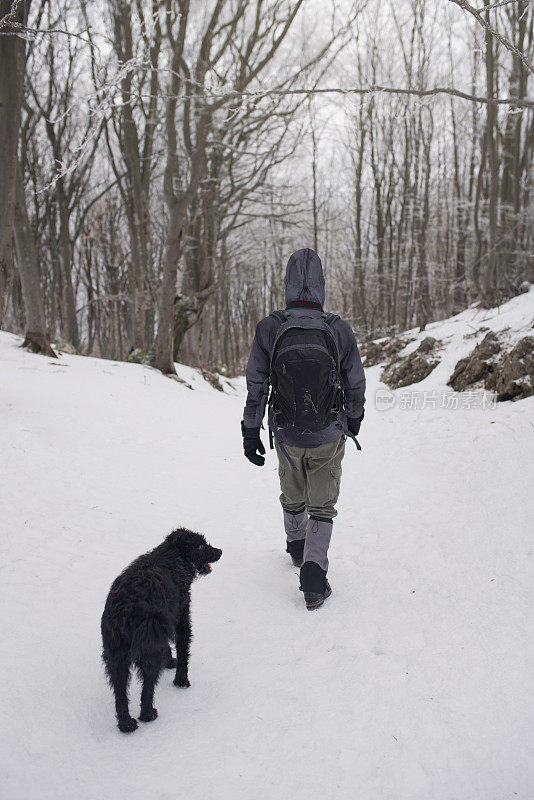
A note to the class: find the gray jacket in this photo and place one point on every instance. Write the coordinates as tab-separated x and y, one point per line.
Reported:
304	284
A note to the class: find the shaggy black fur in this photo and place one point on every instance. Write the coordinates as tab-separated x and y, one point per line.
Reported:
148	605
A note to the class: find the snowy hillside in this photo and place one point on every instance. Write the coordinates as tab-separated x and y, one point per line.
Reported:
446	342
413	682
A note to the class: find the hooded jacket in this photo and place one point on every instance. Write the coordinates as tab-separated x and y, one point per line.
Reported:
304	283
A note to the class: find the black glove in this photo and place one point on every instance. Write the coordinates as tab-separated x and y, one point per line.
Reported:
353	423
251	443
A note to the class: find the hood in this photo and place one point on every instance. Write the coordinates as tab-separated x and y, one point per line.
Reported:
304	277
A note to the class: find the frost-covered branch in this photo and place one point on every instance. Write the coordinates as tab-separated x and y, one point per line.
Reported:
500	38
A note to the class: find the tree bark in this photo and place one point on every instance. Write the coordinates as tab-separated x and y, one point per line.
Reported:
67	289
359	311
12	64
177	204
423	295
36	337
490	274
137	151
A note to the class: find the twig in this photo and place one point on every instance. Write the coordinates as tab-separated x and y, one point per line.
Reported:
500	38
17	28
497	5
11	17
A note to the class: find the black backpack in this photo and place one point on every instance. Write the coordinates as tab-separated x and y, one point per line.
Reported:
305	380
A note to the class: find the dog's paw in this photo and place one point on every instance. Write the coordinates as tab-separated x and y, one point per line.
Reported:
127	725
148	716
182	681
171	663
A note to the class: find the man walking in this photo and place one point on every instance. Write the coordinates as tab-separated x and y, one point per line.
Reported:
311	363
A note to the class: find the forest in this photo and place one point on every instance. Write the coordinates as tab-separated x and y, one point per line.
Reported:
162	159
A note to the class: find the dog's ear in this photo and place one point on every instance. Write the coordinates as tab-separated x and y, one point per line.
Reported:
186	541
176	537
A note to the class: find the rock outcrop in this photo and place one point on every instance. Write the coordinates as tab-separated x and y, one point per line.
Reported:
513	376
508	373
472	370
378	352
413	368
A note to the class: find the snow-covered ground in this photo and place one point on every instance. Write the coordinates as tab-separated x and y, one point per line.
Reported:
413	682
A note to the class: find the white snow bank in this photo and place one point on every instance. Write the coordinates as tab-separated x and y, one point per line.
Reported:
413	682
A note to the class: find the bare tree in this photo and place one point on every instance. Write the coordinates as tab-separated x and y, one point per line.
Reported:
12	62
35	336
135	126
255	45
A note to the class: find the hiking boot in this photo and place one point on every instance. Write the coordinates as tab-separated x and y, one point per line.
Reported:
314	585
296	551
314	600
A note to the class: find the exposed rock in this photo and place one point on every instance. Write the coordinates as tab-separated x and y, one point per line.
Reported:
63	346
378	352
427	345
470	371
373	353
467	372
394	346
213	379
513	376
139	356
413	368
488	347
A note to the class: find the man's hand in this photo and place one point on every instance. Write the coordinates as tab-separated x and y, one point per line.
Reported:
251	444
354	423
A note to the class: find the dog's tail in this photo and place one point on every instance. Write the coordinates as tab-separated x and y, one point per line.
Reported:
153	633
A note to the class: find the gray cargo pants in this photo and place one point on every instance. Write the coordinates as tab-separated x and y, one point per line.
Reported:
312	488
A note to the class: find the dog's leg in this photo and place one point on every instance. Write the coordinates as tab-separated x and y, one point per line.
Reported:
183	639
170	661
119	675
150	669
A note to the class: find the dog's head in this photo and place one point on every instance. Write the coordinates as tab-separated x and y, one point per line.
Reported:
195	549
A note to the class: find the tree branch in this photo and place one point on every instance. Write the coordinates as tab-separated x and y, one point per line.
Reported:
372	90
500	38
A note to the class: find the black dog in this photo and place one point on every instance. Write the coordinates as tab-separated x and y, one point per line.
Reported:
148	605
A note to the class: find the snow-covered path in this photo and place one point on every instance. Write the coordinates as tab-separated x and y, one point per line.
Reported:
414	681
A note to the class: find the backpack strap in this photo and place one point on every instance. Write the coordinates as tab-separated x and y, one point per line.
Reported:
354	439
273	434
330	318
280	315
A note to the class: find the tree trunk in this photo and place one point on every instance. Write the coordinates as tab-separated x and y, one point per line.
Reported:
137	160
490	278
315	211
380	230
423	295
70	321
35	335
359	311
12	64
